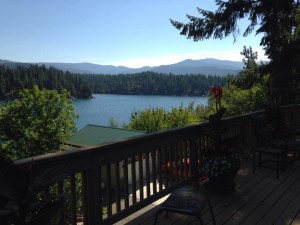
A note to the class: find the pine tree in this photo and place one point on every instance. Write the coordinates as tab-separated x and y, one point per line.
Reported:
277	20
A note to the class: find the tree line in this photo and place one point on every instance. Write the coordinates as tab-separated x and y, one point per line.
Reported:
151	83
13	80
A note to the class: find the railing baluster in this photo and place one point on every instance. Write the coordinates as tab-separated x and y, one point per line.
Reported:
101	193
181	161
194	161
147	175
118	190
73	200
176	152
141	177
171	165
125	184
133	179
108	194
185	159
159	168
154	171
60	191
85	198
165	167
191	153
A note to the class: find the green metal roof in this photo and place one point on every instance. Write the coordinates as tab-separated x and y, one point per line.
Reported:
94	135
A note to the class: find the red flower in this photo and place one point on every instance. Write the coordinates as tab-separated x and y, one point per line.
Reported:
216	92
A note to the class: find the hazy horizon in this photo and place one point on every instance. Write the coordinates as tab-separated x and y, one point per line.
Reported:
134	34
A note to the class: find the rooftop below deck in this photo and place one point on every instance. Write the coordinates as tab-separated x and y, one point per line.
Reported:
258	199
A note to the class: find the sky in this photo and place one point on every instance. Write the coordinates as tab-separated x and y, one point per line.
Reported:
132	33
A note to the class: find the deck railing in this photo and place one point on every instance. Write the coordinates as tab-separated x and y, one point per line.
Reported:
103	184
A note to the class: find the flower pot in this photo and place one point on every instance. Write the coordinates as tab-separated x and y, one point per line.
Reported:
224	182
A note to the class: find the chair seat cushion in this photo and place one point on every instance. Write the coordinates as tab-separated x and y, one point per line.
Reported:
186	199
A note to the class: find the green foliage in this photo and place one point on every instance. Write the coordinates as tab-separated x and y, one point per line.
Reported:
223	22
236	101
203	111
252	74
154	119
250	57
13	80
151	83
279	23
150	120
248	91
37	123
240	101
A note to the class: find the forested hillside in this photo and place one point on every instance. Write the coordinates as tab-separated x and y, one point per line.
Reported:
15	79
151	83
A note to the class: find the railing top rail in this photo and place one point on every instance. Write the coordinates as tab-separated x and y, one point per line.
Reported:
135	145
166	135
133	142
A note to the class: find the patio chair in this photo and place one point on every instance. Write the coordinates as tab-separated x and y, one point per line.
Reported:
187	200
273	143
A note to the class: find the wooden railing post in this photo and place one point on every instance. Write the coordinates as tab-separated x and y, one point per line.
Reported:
94	196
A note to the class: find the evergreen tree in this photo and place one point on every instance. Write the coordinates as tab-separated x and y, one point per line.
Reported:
277	20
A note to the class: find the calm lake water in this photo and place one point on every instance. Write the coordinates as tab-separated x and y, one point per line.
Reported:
102	107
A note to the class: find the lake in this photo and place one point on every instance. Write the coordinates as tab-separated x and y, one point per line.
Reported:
102	107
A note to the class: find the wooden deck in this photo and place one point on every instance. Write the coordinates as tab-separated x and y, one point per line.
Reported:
257	199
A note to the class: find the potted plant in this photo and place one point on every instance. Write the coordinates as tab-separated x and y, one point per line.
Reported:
221	170
223	161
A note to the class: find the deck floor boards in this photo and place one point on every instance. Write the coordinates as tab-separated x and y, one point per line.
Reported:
259	198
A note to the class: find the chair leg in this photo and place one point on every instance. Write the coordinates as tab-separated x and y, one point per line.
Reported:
284	161
211	212
259	160
200	219
253	165
156	215
277	166
166	214
295	155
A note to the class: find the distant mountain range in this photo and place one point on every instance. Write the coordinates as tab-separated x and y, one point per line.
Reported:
202	66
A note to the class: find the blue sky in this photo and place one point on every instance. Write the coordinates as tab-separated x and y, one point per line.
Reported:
131	33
